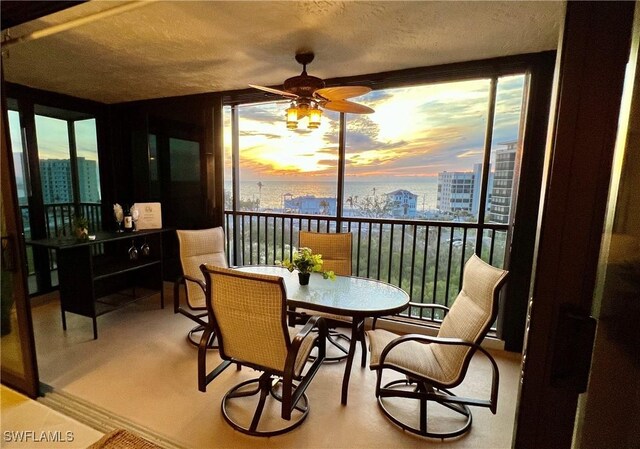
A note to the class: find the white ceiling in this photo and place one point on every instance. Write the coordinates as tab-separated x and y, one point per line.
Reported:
169	48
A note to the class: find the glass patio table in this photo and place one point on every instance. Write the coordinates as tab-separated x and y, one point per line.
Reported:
351	296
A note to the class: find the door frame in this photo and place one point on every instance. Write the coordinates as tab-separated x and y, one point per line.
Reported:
593	51
29	383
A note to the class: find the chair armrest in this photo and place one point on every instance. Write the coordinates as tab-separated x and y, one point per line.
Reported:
182	280
200	282
452	342
422	305
290	398
315	322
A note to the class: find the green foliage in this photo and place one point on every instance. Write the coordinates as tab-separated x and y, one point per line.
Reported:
374	207
80	227
80	222
424	260
305	261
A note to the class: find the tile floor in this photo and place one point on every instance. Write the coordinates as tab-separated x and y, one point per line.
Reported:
141	372
28	424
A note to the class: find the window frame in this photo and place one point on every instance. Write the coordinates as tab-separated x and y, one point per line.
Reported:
492	69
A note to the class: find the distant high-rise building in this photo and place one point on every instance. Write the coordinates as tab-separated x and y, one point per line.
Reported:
460	191
501	194
455	191
55	175
88	180
57	186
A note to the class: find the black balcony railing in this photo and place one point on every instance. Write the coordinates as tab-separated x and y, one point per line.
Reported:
425	258
59	217
59	222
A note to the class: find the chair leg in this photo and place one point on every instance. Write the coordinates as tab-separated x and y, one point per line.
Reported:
333	338
363	345
423	412
378	381
193	339
423	393
265	386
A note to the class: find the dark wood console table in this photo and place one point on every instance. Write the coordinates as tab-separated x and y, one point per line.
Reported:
98	276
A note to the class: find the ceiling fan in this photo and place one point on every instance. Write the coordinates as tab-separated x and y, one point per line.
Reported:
308	96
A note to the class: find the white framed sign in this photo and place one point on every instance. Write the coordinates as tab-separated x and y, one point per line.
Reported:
150	216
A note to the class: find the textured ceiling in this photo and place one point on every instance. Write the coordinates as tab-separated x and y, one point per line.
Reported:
168	48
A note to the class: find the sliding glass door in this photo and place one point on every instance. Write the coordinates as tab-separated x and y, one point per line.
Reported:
56	163
19	369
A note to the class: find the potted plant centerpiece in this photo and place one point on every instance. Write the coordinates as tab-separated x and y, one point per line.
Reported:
81	227
306	263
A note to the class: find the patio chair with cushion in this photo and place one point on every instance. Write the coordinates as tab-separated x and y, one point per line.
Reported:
248	312
434	365
336	256
197	247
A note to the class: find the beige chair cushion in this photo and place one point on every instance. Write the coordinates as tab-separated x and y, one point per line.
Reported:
471	314
336	255
250	312
198	247
411	356
469	318
335	250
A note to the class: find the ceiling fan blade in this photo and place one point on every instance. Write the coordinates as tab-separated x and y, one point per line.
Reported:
341	92
347	106
275	91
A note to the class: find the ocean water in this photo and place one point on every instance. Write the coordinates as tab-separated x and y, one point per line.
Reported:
272	192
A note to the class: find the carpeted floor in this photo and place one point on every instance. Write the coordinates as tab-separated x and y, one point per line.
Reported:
142	371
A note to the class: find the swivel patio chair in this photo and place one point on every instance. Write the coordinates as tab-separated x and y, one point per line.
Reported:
336	255
434	365
248	312
197	247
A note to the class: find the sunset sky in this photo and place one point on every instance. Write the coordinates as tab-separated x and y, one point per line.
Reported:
414	132
53	138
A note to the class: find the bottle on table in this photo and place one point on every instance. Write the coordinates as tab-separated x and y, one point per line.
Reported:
128	220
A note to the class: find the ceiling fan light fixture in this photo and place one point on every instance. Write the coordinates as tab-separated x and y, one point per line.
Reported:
292	116
308	96
315	114
303	108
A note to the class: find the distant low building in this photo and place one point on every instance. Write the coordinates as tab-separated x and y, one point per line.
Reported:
403	202
309	204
